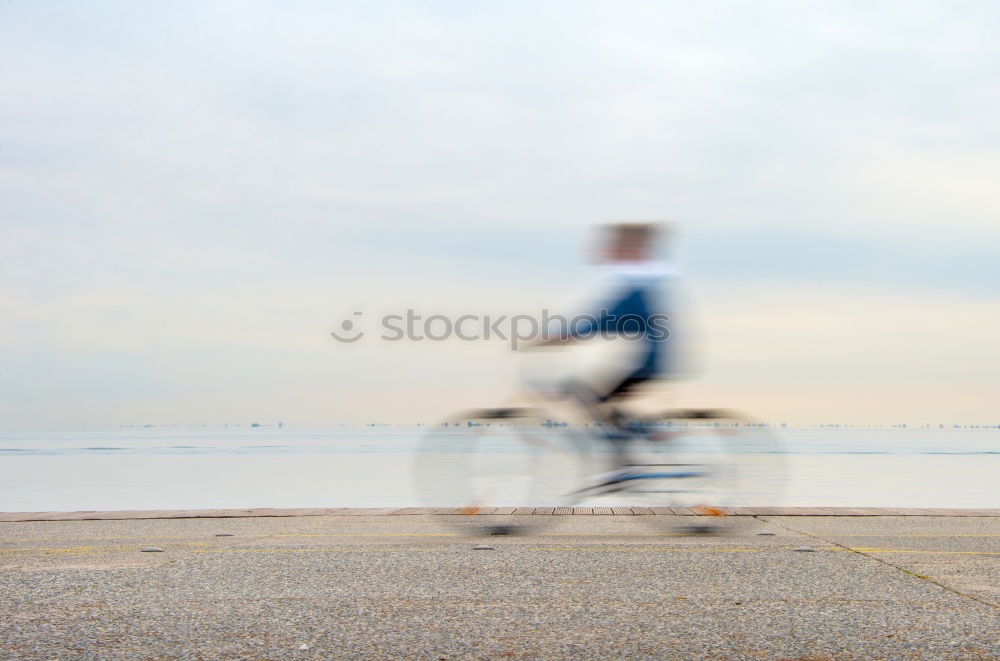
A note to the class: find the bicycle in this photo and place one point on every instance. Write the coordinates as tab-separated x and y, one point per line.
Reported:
502	461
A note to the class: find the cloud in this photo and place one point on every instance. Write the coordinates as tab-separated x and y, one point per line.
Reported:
194	191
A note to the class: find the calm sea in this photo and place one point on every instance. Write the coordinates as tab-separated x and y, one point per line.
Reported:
181	468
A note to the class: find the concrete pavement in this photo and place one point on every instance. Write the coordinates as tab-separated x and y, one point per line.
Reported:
410	586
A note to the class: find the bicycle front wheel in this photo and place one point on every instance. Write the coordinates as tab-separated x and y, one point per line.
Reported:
702	459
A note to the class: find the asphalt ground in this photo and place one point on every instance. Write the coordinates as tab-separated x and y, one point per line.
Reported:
394	587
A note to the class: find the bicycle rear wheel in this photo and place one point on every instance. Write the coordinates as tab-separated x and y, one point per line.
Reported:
491	467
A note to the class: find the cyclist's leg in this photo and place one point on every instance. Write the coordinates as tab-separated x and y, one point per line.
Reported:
620	433
601	407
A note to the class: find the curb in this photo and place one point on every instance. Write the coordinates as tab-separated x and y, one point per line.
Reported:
14	517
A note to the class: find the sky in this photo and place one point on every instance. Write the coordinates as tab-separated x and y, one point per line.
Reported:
194	194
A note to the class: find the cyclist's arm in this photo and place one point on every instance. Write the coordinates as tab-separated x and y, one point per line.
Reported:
585	326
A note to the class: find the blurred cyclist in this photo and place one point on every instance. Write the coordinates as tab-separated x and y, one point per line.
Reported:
632	306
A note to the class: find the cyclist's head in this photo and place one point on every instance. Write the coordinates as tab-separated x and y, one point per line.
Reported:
631	242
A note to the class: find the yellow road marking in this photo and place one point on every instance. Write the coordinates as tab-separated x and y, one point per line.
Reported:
94	539
908	536
143	538
920	551
362	534
618	535
328	549
748	550
360	549
421	534
69	549
659	549
366	549
864	549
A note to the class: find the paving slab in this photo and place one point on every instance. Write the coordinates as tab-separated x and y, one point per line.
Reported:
957	553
